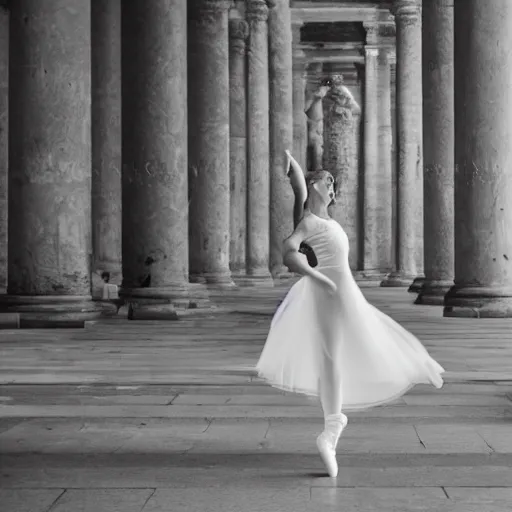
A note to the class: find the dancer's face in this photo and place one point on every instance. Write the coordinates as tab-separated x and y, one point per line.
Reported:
323	183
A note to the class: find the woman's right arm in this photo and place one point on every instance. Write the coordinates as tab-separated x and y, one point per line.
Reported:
298	262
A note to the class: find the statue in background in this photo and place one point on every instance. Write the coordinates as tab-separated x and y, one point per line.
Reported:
340	111
315	119
342	119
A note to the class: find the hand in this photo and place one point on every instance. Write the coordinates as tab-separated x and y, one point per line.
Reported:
327	284
330	286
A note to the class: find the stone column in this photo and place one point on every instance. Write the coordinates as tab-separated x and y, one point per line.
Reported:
438	130
385	174
106	137
208	75
258	179
371	191
4	119
409	182
300	128
154	180
49	217
238	32
281	130
483	181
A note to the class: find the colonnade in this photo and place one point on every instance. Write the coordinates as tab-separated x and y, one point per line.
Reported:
465	130
144	107
181	111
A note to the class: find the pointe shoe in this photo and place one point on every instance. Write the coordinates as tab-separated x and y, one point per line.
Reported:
327	441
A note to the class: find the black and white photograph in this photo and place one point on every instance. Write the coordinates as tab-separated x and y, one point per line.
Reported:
256	255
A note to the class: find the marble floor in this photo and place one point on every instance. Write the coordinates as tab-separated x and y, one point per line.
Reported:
153	416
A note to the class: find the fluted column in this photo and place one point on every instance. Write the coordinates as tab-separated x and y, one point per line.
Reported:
281	130
208	75
238	32
154	181
409	182
300	128
4	120
106	136
258	179
49	217
385	173
371	190
483	179
438	130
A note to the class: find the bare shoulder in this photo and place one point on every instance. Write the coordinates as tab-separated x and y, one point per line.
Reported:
304	229
307	223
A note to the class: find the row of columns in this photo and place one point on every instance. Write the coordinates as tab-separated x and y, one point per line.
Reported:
185	105
50	233
465	136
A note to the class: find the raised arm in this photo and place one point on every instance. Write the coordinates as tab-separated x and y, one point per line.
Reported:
313	108
300	190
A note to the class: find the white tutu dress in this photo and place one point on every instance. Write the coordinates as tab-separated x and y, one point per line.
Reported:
377	359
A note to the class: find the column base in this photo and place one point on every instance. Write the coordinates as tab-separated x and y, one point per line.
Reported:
283	276
163	303
216	280
432	293
255	277
281	272
52	311
246	280
368	278
417	284
478	302
397	279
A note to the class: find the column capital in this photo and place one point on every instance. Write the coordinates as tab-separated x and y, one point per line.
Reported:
257	10
409	9
215	6
372	31
371	51
238	29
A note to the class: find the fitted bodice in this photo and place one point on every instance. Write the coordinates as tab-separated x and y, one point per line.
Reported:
328	241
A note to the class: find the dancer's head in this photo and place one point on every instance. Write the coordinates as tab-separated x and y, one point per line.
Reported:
322	184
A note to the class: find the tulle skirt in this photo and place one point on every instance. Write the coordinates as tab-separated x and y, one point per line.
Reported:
375	358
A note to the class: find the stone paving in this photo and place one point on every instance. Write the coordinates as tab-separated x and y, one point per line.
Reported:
152	416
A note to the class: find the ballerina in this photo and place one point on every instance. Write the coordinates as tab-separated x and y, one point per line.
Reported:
325	339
